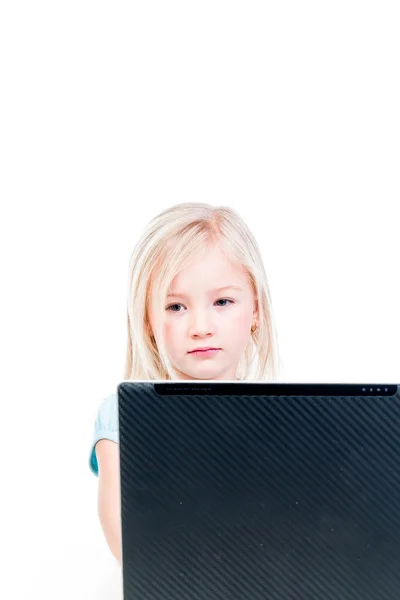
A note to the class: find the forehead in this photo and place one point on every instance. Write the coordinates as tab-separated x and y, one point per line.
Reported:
212	269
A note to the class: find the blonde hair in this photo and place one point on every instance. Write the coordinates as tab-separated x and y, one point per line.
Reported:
165	248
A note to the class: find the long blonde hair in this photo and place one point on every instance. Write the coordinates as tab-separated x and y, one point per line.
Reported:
166	246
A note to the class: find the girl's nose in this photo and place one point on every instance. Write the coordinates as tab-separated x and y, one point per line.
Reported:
201	325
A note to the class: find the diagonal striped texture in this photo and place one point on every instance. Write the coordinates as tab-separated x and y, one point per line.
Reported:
256	497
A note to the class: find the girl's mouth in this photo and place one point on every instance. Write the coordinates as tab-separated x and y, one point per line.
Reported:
205	351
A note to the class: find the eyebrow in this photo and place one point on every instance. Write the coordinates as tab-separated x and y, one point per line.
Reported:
237	288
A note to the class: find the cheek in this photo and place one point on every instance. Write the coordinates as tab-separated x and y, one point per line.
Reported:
241	320
171	330
167	329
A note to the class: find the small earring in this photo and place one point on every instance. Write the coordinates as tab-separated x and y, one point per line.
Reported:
253	327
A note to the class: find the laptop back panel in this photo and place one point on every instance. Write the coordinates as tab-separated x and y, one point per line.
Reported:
260	491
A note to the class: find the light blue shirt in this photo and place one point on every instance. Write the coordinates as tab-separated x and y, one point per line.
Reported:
105	427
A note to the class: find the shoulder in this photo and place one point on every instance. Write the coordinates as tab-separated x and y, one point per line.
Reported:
105	427
107	412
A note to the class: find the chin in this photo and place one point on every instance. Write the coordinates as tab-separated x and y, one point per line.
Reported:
203	375
208	373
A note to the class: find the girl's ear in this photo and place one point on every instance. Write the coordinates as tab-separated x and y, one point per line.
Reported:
255	313
148	328
254	324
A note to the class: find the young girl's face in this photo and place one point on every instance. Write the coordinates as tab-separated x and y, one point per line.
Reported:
207	319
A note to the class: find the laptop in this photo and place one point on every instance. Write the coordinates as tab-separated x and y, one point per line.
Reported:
256	491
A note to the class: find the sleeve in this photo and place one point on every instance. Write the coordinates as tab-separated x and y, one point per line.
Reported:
105	427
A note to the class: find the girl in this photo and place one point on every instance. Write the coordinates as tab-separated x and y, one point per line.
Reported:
199	308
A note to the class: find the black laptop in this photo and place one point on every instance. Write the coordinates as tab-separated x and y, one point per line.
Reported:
256	491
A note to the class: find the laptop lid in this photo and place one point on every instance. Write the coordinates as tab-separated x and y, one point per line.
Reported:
260	491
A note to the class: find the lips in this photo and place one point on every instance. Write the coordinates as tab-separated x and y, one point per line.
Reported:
206	349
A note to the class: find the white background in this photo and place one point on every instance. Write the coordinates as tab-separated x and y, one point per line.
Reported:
112	111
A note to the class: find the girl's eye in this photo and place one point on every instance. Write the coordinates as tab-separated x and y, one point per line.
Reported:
172	307
176	307
224	300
